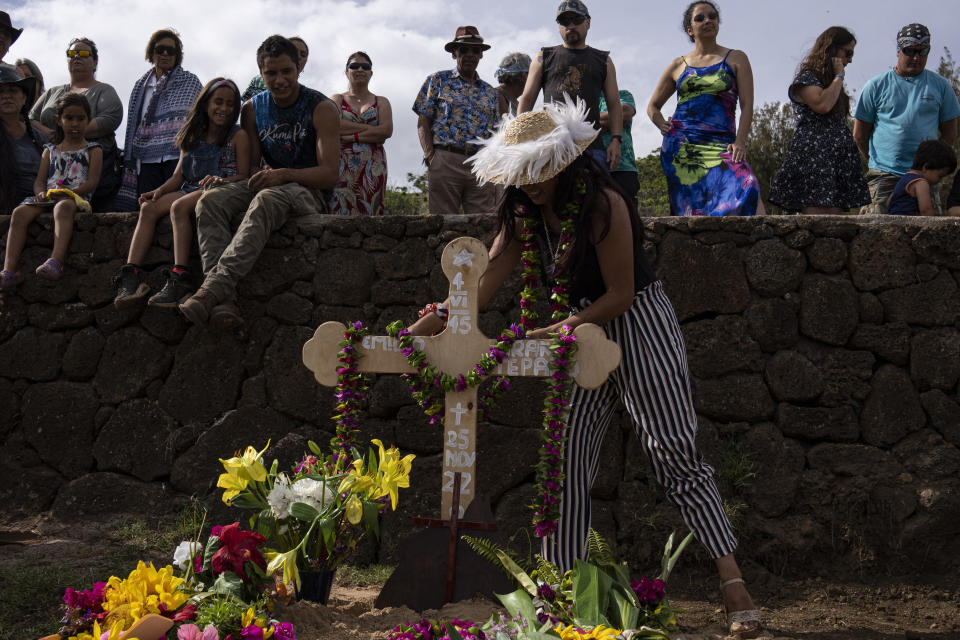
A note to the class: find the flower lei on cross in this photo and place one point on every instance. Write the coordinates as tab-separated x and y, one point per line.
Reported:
428	380
351	385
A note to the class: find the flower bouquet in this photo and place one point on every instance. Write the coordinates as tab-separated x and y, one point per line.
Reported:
314	515
596	599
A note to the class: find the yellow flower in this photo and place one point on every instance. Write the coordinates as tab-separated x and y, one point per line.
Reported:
354	509
394	473
600	632
287	562
356	481
142	592
240	470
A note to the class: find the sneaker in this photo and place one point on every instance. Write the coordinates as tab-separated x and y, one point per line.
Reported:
174	292
130	291
50	270
10	279
197	308
226	317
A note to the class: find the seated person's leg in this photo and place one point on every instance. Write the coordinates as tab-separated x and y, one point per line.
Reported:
219	211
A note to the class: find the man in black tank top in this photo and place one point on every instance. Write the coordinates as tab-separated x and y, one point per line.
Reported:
579	71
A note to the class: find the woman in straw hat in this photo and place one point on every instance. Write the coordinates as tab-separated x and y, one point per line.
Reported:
565	218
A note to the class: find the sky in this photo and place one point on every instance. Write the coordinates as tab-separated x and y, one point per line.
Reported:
405	39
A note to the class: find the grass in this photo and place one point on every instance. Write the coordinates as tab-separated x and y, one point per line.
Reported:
736	466
374	574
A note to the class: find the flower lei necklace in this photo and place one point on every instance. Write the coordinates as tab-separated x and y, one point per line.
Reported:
351	385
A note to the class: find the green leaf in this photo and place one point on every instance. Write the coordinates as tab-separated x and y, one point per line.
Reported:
371	516
246	501
303	511
213	545
670	559
591	593
274	467
624	613
536	635
228	583
314	448
520	602
452	632
521	576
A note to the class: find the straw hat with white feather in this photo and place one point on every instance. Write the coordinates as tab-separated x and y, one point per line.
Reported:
534	146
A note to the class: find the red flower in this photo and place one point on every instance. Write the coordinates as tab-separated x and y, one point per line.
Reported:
236	548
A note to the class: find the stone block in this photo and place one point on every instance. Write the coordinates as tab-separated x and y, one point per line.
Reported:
205	378
702	278
505	458
276	270
828	255
734	397
289	308
388	292
95	496
871	310
58	423
59	317
96	288
779	463
773	323
893	408
131	358
829	310
13	316
343	277
846	374
853	460
411	258
719	346
927	456
166	325
32	354
881	258
935	358
27	492
136	441
888	341
938	244
928	303
833	424
773	269
291	387
944	414
83	354
792	377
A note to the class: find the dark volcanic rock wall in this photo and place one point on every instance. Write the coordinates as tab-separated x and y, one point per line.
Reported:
824	352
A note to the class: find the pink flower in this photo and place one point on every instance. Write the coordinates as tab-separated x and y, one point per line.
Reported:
283	631
252	632
192	632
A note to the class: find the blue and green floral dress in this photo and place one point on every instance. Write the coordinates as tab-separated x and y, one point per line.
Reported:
701	177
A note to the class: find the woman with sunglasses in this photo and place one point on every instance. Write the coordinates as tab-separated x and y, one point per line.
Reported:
822	173
366	121
158	107
106	113
703	153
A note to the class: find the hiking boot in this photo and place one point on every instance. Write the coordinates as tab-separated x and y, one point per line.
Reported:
197	308
130	291
226	317
174	292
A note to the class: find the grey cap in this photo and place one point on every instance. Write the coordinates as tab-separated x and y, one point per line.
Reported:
913	35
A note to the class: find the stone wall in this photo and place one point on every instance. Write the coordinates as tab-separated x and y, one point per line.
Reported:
825	356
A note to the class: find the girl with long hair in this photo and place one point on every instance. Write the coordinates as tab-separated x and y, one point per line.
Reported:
214	150
822	173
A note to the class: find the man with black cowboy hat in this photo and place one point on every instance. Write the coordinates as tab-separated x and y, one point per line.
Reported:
582	72
898	110
454	108
8	34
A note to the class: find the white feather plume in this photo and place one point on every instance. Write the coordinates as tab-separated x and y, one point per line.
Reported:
528	162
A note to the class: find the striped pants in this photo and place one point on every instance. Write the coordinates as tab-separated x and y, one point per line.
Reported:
653	382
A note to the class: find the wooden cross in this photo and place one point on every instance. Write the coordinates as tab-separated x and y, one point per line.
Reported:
455	351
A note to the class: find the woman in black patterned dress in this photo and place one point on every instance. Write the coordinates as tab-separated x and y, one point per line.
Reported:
822	172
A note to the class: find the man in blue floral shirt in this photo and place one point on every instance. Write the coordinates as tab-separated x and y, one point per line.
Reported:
454	108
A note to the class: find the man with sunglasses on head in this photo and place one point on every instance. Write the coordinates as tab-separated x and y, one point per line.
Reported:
579	71
453	109
898	110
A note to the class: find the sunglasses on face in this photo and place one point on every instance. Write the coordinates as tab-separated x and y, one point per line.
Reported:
354	66
915	51
468	50
566	21
83	53
164	50
700	17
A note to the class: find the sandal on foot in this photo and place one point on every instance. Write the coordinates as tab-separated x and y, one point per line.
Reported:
10	279
742	624
51	269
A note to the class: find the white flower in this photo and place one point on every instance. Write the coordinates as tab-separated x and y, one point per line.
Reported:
185	552
281	497
315	493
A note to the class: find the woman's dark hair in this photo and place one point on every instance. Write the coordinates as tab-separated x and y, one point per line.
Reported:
688	15
819	61
933	155
37	77
301	41
160	35
195	128
70	100
89	43
359	54
276	46
595	203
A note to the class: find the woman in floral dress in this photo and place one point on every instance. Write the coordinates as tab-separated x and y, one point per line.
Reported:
366	121
822	172
703	153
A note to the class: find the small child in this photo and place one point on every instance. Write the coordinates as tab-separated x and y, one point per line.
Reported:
213	151
69	172
912	196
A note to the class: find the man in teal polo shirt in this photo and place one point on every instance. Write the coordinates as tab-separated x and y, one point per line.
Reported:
898	110
625	174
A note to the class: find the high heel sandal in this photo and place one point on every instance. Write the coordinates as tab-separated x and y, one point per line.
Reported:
742	624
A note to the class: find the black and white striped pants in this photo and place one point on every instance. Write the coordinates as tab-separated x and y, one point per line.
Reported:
653	382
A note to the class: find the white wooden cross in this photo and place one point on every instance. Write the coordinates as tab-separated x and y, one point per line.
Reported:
455	351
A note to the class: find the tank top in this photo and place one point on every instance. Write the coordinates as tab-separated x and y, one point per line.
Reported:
901	202
579	73
288	138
